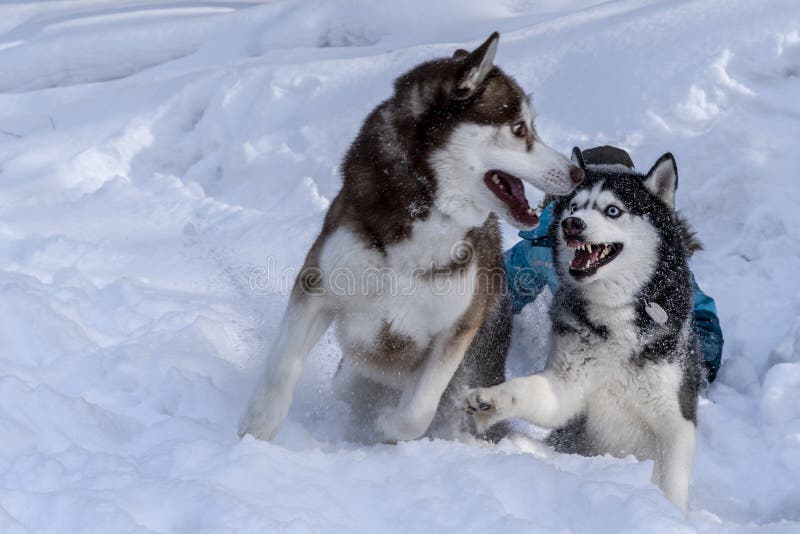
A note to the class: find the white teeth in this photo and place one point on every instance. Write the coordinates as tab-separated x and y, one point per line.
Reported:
495	179
531	211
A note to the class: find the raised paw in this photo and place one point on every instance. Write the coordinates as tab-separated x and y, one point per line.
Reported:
487	406
480	401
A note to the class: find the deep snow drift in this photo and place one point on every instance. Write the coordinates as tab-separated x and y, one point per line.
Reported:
165	166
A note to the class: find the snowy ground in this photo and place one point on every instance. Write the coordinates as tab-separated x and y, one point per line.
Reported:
163	163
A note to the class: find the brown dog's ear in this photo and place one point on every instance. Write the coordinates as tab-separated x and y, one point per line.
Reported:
662	180
458	54
475	67
577	157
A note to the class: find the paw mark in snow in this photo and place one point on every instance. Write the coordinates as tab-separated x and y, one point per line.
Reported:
342	37
194	119
707	98
789	51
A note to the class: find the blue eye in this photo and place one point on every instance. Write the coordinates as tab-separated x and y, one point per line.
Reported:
613	211
573	208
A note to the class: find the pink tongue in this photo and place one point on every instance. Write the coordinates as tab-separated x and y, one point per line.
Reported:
518	192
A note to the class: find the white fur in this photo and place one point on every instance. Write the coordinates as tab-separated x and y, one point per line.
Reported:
662	181
417	307
367	291
303	324
420	399
616	282
413	304
623	405
473	149
477	74
629	409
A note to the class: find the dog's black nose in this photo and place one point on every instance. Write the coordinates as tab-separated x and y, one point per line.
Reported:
576	175
573	226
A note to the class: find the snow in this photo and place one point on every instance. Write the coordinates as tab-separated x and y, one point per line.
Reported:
165	166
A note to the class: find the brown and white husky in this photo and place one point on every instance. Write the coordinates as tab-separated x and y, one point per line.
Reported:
415	228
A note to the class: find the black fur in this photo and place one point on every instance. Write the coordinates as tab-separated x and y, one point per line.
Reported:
670	286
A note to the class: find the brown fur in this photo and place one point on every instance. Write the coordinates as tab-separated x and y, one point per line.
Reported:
389	186
391	352
384	192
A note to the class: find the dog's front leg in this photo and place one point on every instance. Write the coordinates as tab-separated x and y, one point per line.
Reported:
544	399
304	322
673	467
418	404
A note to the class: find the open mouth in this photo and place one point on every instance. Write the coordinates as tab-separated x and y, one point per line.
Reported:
509	189
591	256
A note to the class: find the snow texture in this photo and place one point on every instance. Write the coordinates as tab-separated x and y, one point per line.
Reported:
165	166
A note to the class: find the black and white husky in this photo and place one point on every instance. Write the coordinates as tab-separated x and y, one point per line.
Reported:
404	262
623	371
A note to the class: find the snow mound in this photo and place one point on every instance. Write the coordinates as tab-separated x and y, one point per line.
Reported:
166	165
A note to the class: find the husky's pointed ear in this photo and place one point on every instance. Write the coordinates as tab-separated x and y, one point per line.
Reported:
476	66
577	157
662	180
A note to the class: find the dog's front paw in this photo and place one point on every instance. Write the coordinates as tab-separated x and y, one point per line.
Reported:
263	416
487	406
396	426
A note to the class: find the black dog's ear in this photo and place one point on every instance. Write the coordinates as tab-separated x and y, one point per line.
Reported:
662	180
476	65
460	53
577	157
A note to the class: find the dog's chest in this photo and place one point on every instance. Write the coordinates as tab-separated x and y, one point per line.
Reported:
625	410
598	340
624	400
418	288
